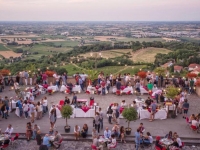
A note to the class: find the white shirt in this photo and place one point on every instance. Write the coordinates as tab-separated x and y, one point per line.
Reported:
25	107
78	130
179	142
150	139
9	130
194	123
44	102
16	85
123	104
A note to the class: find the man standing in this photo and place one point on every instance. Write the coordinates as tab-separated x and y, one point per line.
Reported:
26	77
191	86
185	108
74	100
44	78
118	85
153	111
137	139
101	118
80	81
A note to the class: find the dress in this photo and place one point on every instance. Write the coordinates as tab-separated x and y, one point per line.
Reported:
52	118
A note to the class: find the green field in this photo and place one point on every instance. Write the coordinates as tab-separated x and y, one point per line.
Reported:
3	48
141	39
68	43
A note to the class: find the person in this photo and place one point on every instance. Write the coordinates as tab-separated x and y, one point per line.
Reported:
26	109
115	130
52	118
39	110
46	141
80	81
20	106
16	87
180	104
148	101
162	99
97	121
169	135
94	133
137	86
114	108
174	136
177	142
44	104
101	118
84	131
157	144
96	143
3	110
57	139
185	108
113	142
148	139
6	101
118	85
110	112
137	139
153	111
122	134
32	111
194	123
76	132
36	128
117	113
74	100
141	128
39	138
9	130
123	104
29	131
51	131
107	133
134	105
67	101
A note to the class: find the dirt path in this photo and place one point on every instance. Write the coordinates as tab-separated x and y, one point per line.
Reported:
122	70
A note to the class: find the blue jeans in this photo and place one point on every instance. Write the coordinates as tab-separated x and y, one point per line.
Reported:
20	112
101	124
26	114
44	109
137	145
4	114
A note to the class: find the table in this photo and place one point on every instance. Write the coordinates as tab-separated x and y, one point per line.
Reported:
80	113
63	88
54	88
160	114
127	89
91	89
167	142
143	91
76	88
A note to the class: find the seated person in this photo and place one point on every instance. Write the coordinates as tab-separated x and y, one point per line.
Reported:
107	133
115	130
51	131
195	123
94	133
79	105
191	118
169	135
141	128
46	141
96	143
148	139
198	116
177	143
123	104
113	142
134	105
157	144
67	101
9	130
6	140
57	139
148	102
84	131
174	136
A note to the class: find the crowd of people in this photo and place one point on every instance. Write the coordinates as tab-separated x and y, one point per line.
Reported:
29	108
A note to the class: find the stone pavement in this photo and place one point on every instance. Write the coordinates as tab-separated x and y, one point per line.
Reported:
78	145
158	127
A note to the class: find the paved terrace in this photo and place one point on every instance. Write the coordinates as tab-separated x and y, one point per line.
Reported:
157	127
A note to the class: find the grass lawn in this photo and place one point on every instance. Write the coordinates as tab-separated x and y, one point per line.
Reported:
148	54
141	39
3	48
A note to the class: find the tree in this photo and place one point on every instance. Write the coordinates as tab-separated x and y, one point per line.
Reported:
172	92
160	71
66	112
130	114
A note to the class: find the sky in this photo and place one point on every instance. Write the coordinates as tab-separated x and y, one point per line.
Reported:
99	10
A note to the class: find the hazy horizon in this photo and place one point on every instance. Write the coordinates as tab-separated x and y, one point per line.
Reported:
100	11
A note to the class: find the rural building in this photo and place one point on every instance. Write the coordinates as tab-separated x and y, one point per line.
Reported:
168	64
191	67
178	69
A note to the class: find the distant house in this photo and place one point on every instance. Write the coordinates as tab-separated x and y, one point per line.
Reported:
191	67
178	69
168	64
196	71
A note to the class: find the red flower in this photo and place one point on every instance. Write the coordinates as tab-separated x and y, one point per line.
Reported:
142	74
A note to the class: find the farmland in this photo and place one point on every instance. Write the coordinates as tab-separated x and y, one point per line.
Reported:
8	54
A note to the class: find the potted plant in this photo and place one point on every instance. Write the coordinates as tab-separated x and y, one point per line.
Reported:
171	93
130	114
66	112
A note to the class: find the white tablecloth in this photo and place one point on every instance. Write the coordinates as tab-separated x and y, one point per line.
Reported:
143	91
140	102
54	88
63	88
91	89
12	105
76	88
127	89
160	114
80	113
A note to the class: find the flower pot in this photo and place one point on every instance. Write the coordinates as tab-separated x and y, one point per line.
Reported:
128	131
67	129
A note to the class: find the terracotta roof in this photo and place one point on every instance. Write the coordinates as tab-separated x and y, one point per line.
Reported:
178	67
194	66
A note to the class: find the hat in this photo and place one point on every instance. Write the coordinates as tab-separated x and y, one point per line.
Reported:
157	138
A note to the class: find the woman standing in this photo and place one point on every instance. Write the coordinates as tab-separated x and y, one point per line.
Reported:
97	121
39	110
122	134
52	118
29	131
